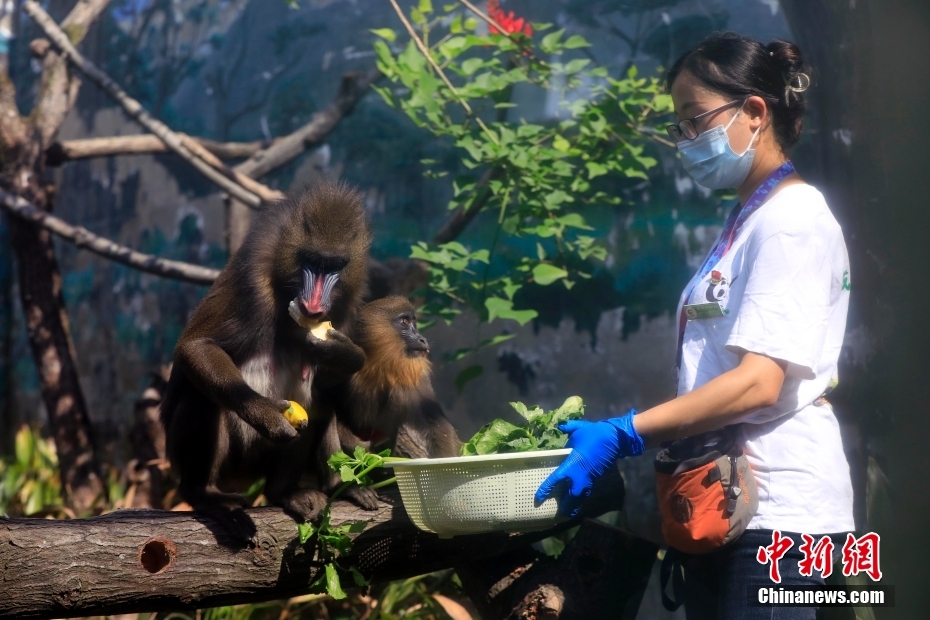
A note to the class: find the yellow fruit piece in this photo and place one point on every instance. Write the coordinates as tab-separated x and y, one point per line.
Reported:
320	331
296	415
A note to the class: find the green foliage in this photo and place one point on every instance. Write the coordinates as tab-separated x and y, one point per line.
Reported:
540	432
537	178
334	542
29	482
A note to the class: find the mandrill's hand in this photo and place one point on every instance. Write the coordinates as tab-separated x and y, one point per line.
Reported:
267	417
596	446
338	353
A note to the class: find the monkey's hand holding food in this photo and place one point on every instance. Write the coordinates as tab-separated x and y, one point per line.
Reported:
267	417
296	415
541	431
596	446
337	353
319	329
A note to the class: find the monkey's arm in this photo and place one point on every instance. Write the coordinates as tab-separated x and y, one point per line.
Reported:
336	359
427	432
214	374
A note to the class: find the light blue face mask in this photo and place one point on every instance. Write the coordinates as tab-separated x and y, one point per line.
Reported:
711	161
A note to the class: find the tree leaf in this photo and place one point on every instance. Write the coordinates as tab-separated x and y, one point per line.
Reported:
305	531
545	274
575	41
385	33
333	585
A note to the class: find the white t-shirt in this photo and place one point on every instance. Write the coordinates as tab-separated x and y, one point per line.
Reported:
784	289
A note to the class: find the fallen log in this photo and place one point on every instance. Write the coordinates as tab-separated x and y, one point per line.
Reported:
132	561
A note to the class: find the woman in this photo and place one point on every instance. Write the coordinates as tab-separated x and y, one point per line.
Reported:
761	326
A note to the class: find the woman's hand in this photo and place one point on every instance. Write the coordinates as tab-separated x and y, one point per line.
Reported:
595	448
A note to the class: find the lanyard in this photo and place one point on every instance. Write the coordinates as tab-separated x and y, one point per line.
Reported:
731	228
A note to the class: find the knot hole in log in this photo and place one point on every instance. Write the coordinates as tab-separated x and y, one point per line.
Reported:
157	555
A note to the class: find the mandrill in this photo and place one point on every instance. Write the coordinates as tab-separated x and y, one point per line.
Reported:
243	355
391	398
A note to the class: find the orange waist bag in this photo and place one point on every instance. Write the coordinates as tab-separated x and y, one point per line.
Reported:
706	491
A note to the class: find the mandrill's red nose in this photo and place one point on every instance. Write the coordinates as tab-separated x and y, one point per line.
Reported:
312	308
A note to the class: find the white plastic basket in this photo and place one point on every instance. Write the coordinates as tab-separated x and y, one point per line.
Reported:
476	494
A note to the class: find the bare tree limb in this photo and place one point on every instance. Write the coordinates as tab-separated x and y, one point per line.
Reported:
78	21
249	191
142	144
352	88
462	217
83	238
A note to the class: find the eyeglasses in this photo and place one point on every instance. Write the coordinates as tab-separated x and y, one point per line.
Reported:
686	130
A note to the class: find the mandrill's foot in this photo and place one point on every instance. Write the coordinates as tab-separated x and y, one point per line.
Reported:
365	498
304	504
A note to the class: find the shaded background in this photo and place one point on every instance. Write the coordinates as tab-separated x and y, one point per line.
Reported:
248	70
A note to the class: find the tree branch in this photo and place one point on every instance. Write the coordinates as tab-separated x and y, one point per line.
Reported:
352	88
249	191
462	217
148	560
70	150
83	238
58	90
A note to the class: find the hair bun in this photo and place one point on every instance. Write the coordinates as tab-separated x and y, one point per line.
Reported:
788	58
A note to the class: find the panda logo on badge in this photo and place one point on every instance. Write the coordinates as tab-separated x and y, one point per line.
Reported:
718	289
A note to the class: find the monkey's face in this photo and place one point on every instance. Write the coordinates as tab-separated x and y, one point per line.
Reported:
415	344
319	277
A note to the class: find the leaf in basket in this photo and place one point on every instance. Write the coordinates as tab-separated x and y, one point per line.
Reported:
541	431
553	439
497	433
571	409
520	444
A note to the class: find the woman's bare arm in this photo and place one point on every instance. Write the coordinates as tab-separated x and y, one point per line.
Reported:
754	383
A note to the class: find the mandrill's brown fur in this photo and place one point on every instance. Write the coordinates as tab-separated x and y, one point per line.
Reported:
391	398
242	356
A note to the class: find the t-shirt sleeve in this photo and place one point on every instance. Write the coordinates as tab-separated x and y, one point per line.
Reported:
785	308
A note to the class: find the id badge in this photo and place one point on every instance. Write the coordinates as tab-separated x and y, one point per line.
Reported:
710	310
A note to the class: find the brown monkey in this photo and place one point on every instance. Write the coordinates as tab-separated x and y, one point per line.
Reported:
242	356
391	398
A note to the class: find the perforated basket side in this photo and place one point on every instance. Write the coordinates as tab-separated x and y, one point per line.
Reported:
412	498
475	496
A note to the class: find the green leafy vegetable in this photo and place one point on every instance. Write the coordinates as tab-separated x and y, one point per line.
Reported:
334	542
540	432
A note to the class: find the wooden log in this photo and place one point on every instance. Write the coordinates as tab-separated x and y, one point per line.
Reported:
152	560
602	573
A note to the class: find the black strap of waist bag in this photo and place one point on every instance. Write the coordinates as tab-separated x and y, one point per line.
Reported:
671	568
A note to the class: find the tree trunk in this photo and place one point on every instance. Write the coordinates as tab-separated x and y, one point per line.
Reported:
23	142
149	560
49	334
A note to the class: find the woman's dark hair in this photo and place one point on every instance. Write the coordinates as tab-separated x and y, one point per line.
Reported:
736	66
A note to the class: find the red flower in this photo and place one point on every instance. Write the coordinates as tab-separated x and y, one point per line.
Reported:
508	21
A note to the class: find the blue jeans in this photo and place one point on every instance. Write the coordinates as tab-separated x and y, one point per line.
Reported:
717	584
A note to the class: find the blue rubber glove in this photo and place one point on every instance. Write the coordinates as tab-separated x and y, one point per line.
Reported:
595	448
